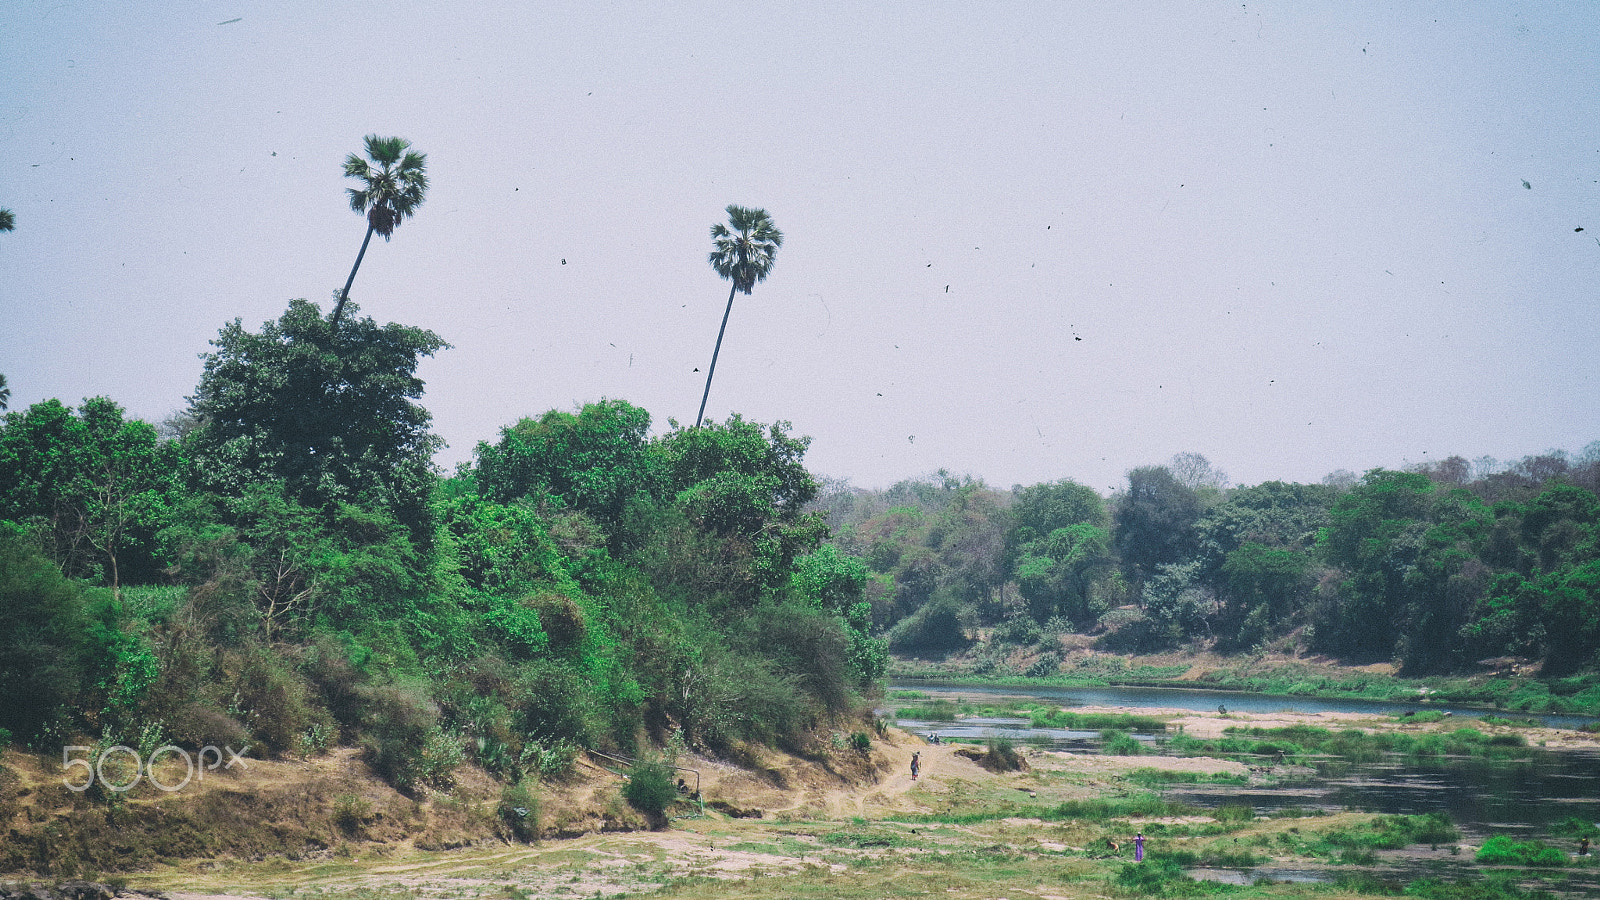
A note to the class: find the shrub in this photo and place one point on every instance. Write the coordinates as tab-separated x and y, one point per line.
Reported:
1504	851
1118	743
935	628
1019	630
351	814
395	732
1003	757
554	703
519	810
650	789
272	700
46	653
1048	663
196	725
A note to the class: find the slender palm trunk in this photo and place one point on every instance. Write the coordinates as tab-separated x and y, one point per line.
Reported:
701	414
344	295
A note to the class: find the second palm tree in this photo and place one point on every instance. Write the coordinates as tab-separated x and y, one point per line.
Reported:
745	250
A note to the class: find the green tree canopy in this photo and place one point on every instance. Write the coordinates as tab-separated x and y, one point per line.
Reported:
1154	521
1055	572
595	461
97	484
333	417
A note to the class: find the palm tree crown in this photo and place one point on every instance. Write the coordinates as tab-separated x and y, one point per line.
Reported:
393	189
8	220
745	253
391	193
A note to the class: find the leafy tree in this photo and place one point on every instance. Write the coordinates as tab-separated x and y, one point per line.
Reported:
1154	521
1042	508
1409	573
595	461
969	536
1273	513
1177	603
935	627
744	255
1055	572
833	582
52	636
1266	586
98	484
8	220
1279	523
743	489
330	416
5	393
389	194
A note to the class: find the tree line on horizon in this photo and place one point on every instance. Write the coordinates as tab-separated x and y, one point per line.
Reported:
1436	567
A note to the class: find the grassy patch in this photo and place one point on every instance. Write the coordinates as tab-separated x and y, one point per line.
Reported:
1162	777
1501	850
1074	721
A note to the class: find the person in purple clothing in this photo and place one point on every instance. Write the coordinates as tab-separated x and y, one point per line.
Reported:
1138	847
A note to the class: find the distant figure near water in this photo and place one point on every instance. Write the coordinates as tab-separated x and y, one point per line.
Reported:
916	763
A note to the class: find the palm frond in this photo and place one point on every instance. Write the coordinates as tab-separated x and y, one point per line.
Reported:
746	252
8	222
393	187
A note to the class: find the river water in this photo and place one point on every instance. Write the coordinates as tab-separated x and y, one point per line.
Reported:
1522	797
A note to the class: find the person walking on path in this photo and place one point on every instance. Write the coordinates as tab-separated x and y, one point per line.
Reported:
1138	847
916	762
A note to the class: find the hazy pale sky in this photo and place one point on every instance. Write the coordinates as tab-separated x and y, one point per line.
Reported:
1024	241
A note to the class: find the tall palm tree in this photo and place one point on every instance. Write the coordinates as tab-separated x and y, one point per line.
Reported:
744	254
391	191
8	220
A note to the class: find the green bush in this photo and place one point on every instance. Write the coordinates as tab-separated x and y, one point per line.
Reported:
1118	743
1505	851
272	700
519	810
49	653
396	729
650	789
1154	876
1003	757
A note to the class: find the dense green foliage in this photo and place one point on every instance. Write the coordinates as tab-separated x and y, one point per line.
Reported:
288	571
1431	567
285	568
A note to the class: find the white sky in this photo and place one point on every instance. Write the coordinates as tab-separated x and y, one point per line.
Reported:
1024	241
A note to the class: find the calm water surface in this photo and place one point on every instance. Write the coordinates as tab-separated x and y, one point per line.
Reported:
1522	797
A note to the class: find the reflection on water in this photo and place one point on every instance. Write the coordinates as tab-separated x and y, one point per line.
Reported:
1480	796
